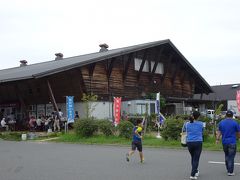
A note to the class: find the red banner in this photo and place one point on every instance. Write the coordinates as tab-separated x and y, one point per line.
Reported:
238	99
117	109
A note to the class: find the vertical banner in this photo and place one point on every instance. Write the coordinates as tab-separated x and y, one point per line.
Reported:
238	99
157	105
70	108
117	110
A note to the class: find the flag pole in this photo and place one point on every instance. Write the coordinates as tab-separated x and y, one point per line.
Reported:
158	133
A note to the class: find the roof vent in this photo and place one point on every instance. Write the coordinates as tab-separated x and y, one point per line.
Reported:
235	86
59	56
23	63
104	47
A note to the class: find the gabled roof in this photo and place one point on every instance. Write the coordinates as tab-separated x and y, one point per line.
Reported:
221	93
39	70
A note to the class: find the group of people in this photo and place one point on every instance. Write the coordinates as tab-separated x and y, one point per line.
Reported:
52	121
228	131
7	121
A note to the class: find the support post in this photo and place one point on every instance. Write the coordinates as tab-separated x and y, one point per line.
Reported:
52	97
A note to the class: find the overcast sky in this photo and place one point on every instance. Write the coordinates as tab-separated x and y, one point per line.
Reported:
206	32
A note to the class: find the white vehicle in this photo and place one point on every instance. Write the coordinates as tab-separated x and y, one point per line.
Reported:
210	113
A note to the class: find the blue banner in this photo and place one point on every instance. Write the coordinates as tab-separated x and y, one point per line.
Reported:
70	108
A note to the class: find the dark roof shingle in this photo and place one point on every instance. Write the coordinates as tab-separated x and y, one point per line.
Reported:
51	67
221	92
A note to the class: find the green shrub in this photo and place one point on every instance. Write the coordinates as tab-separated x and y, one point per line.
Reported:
85	127
182	116
209	127
151	123
125	129
105	126
172	129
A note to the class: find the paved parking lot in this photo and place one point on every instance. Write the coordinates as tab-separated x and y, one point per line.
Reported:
57	161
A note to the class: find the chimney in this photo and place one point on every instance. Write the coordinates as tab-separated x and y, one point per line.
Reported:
104	47
23	63
59	56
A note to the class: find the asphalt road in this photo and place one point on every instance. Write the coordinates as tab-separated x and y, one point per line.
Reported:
57	161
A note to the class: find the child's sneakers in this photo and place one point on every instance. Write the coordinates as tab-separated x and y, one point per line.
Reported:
142	160
127	157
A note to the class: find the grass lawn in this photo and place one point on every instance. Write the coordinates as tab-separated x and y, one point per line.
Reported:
148	141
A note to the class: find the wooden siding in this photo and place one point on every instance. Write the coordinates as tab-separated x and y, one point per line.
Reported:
108	78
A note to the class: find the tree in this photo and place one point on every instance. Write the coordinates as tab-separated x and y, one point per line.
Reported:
162	102
216	116
89	106
218	109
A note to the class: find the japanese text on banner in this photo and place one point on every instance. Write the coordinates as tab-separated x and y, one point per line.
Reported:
117	109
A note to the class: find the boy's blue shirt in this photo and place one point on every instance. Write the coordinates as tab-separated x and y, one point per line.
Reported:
136	138
228	128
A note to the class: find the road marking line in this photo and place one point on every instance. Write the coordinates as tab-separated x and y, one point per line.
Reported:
215	162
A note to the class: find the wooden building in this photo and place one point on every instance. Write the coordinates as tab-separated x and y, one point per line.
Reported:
129	72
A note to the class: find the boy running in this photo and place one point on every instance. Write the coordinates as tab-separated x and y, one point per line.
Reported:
136	141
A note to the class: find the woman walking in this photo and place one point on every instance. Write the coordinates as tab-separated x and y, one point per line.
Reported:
194	130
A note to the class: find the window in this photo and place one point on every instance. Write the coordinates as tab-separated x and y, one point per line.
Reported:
152	108
159	69
32	110
138	62
141	108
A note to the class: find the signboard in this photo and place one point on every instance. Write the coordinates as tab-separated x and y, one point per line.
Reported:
70	109
117	109
238	99
14	104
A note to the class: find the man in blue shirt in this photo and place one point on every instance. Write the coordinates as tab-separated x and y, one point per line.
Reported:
228	128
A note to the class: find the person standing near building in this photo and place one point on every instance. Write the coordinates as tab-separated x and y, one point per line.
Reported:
4	124
137	141
194	130
57	119
76	115
32	123
60	114
229	129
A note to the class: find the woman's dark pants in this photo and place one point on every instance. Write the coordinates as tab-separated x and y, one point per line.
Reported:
195	149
